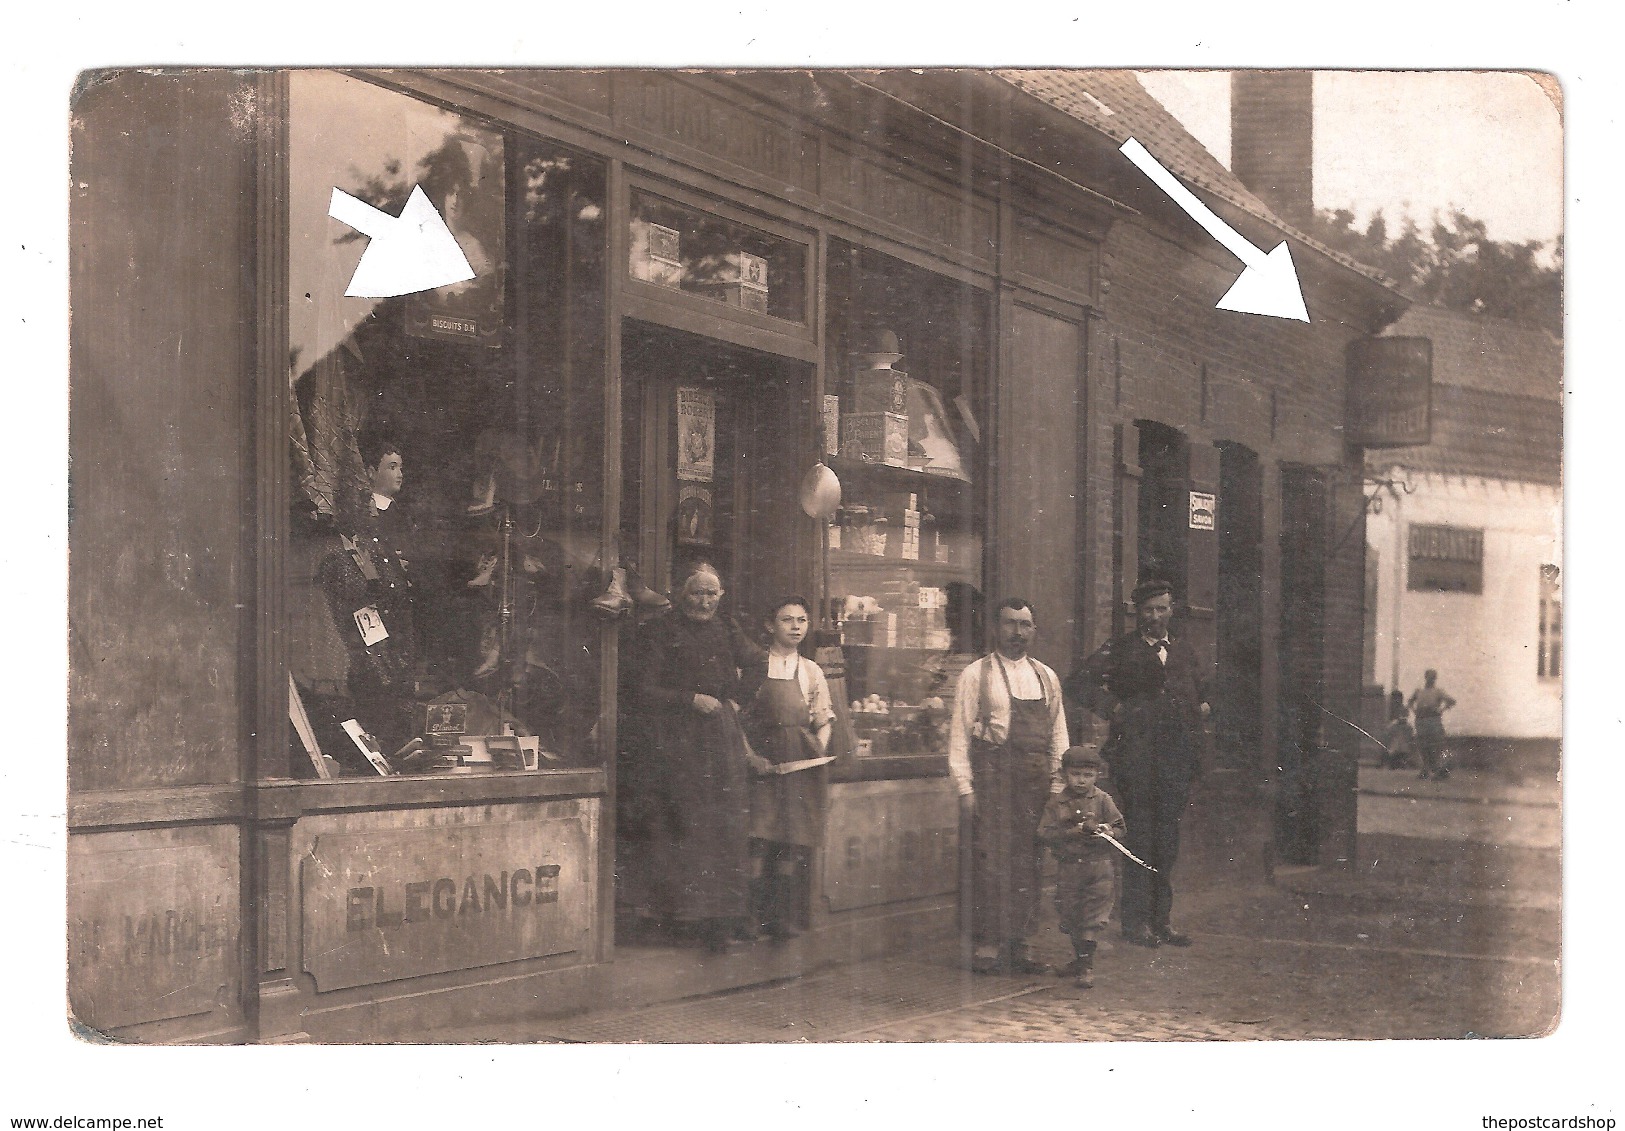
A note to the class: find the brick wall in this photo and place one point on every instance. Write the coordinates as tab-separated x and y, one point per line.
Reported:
1162	352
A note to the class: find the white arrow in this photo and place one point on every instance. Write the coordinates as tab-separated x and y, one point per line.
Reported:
1269	286
415	252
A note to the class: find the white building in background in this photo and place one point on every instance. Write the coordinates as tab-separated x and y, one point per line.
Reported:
1465	557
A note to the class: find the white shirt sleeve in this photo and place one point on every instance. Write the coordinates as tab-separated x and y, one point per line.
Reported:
967	701
1059	741
815	689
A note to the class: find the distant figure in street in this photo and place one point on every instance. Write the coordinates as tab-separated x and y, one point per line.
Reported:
1072	822
1398	738
1155	691
1005	741
1430	703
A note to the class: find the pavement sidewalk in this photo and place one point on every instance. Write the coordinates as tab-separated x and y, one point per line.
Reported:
1484	787
1269	963
1430	934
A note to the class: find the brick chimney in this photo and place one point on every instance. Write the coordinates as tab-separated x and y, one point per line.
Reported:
1272	139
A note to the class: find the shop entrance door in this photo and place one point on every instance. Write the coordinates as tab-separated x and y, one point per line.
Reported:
715	441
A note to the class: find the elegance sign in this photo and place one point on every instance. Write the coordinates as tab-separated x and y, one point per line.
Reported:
1390	392
397	903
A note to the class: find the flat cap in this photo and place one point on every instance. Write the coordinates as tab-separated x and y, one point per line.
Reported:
1150	587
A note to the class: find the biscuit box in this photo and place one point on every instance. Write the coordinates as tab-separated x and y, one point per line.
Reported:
880	390
738	294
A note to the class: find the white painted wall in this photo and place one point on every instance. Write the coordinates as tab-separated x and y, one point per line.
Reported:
1483	644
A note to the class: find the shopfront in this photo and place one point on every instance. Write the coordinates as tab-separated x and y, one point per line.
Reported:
405	796
483	490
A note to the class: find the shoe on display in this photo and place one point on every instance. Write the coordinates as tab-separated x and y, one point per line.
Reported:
487	570
485	496
644	596
615	600
489	664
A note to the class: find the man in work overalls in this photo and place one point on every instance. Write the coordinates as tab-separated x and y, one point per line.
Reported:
1005	742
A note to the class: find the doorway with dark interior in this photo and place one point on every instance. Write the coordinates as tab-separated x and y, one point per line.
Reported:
715	438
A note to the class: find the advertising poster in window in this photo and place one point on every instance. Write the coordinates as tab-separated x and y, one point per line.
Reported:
463	177
694	515
696	435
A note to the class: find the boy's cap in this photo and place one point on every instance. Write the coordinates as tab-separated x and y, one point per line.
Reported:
1078	757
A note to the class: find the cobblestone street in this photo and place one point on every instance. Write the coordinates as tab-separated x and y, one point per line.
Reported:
1228	987
1447	937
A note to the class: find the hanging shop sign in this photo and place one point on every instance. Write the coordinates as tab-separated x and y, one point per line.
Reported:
1390	392
387	904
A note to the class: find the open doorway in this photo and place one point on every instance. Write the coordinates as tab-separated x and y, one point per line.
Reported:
715	440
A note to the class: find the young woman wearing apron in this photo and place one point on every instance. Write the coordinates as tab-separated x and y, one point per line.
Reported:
788	720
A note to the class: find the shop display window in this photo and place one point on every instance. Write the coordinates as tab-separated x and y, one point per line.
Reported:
903	430
701	254
445	446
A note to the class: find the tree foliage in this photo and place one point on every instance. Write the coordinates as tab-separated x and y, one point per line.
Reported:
1455	264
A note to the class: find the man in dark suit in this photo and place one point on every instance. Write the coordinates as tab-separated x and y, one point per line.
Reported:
1155	692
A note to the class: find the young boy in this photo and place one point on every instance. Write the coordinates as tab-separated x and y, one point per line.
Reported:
1083	885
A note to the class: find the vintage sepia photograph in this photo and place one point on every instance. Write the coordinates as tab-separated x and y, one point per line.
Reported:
1227	645
945	556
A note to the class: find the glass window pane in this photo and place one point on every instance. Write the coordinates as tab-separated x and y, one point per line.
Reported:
700	254
909	352
446	446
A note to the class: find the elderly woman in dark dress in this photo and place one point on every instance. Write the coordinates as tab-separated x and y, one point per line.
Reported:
696	763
